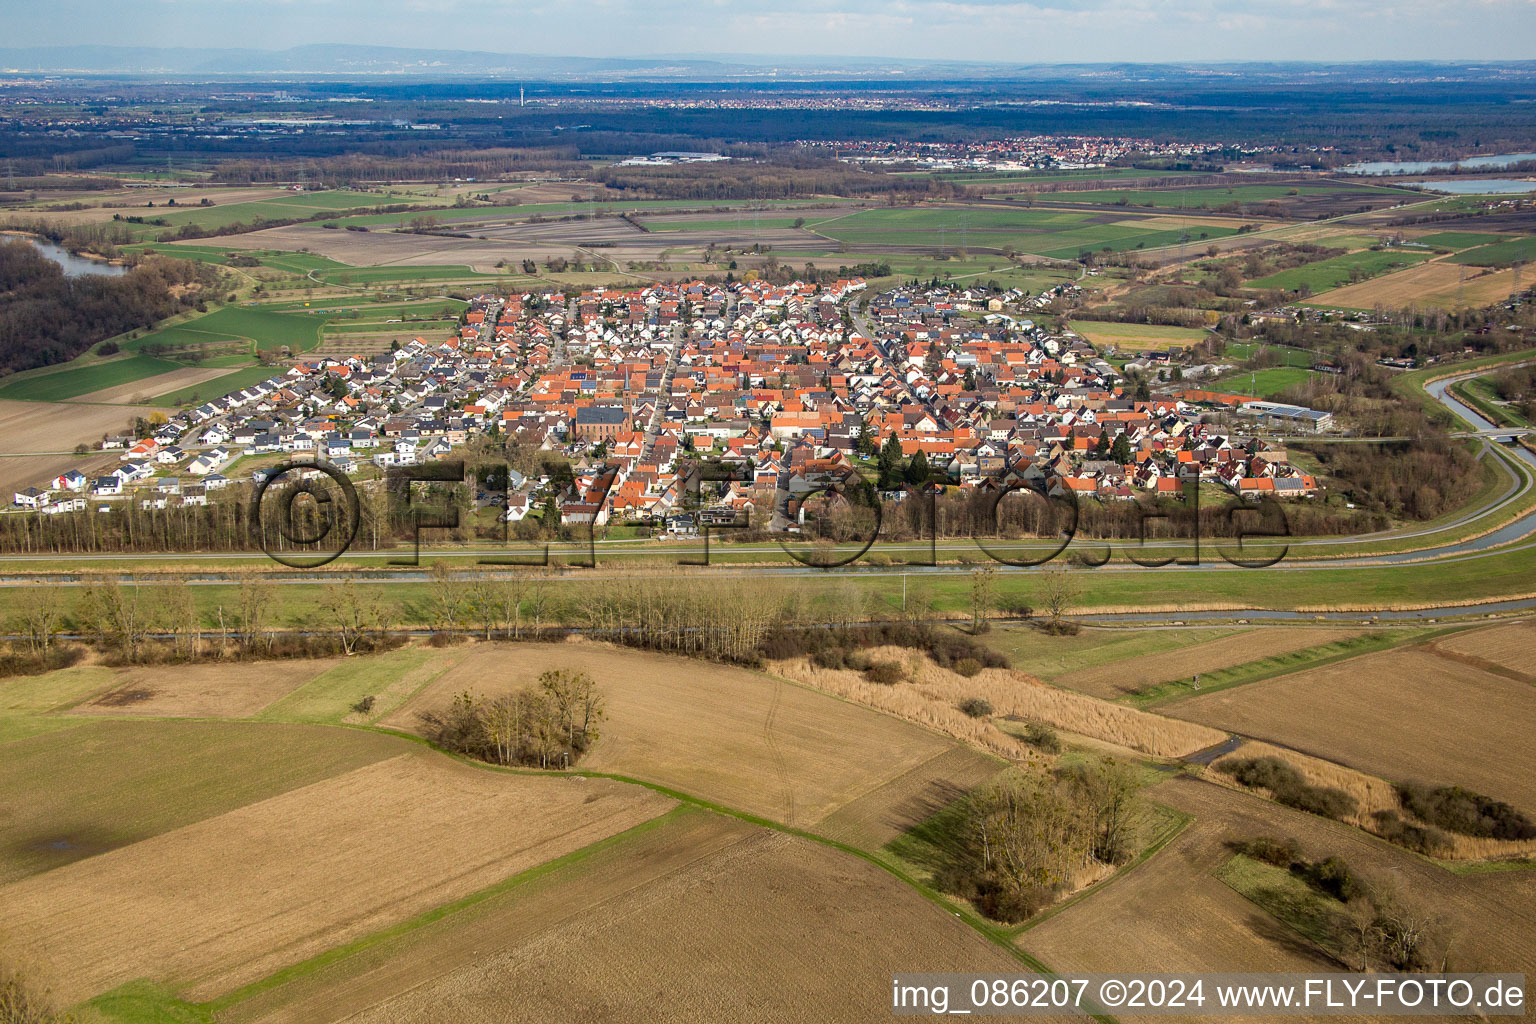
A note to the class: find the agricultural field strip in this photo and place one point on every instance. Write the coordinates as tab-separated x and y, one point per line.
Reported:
1118	679
1388	717
1491	913
383	836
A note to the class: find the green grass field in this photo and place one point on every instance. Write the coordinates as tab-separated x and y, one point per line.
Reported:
79	380
1499	254
1287	356
1458	239
746	223
108	783
1203	197
328	698
1286	898
262	326
1046	656
1061	234
1331	273
219	386
1268	383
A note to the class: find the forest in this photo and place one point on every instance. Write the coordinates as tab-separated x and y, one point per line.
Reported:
47	317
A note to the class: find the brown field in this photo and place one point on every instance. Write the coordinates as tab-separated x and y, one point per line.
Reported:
932	695
741	738
1434	283
38	427
130	199
105	784
1403	714
1120	678
202	691
1508	647
878	817
1172	914
135	392
772	928
228	900
28	430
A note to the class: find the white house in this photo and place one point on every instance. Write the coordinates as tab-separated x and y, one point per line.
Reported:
31	498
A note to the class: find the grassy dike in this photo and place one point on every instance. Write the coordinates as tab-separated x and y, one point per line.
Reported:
1505	574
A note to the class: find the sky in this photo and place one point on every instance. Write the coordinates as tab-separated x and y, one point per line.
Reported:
1038	31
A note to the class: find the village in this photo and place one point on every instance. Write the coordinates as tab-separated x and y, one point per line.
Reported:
796	387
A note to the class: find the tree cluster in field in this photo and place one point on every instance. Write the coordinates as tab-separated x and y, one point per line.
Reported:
1016	844
1414	333
1426	814
844	646
548	725
1368	925
1286	785
1517	386
1462	811
47	317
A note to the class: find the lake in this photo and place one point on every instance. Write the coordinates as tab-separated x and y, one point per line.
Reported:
1475	163
1481	186
75	266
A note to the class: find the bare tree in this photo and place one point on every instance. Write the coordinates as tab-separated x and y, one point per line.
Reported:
509	603
42	615
538	601
983	597
447	592
182	617
351	613
1058	589
1110	793
577	705
254	605
483	597
119	616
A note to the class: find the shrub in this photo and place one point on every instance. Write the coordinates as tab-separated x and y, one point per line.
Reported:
1332	877
1042	737
886	673
945	647
832	657
1425	839
857	660
1282	853
364	706
976	707
968	667
108	348
1062	627
1455	809
1288	786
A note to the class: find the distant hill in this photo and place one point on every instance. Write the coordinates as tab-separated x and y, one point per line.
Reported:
336	59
